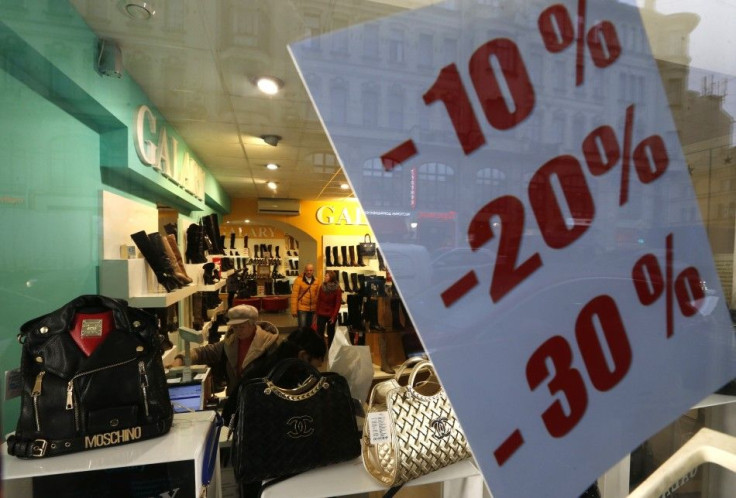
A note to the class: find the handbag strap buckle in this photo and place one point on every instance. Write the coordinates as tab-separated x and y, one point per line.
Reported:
38	449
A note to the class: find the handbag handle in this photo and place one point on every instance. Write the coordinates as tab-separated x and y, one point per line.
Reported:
367	238
409	362
413	377
280	369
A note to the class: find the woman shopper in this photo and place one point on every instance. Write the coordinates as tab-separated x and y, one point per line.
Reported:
329	301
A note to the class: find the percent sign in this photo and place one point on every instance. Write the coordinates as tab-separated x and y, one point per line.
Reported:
556	28
602	151
650	284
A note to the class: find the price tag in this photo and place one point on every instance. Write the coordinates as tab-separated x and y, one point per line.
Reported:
378	426
521	170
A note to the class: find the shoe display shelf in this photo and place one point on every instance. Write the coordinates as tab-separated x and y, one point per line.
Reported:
134	281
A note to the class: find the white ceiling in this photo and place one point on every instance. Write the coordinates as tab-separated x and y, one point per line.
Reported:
196	61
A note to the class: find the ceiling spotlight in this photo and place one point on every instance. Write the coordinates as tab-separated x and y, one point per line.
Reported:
344	186
272	140
246	220
272	166
138	9
269	85
271	185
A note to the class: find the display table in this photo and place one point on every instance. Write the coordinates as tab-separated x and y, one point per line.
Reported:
173	460
461	480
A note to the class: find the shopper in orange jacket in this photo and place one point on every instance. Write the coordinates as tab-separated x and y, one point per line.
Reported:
304	293
328	305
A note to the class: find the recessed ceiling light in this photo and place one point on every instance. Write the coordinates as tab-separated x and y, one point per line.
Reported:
272	140
246	220
272	166
269	85
271	185
344	186
139	9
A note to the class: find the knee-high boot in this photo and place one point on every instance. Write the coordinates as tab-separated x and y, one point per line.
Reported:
345	282
328	256
344	253
360	256
335	259
351	250
154	257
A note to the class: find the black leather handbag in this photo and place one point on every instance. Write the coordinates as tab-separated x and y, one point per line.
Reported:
92	377
279	432
367	247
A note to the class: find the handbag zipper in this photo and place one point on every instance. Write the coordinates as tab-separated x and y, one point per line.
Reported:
35	394
70	405
144	384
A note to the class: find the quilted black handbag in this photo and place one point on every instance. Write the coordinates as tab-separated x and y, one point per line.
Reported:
78	397
280	432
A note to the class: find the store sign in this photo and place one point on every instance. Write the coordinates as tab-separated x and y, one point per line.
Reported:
331	215
157	149
548	133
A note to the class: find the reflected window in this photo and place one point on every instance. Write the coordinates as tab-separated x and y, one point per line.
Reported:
435	185
324	162
396	45
396	107
386	187
339	101
370	105
424	50
370	41
489	182
312	23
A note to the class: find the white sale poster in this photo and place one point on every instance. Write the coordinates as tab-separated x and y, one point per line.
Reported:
520	168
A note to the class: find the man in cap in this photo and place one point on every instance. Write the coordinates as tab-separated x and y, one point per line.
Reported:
246	339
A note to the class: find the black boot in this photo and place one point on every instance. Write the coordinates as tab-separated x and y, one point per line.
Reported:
381	266
212	235
396	315
154	257
351	250
345	281
335	259
354	280
344	253
195	245
232	240
360	256
328	256
278	256
209	273
255	251
361	287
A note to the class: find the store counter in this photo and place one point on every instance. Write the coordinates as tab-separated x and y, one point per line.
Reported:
170	462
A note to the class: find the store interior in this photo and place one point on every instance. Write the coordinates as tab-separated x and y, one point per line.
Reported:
128	117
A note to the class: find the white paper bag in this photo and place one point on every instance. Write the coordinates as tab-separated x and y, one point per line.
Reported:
352	362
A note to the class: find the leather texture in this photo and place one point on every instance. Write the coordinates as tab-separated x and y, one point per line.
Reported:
367	247
280	432
69	398
424	434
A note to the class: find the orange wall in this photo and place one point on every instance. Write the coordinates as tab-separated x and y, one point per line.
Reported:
347	219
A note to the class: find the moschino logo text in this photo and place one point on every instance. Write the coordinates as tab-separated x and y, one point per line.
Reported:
114	437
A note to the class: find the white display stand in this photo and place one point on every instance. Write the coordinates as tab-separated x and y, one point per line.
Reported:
460	480
185	441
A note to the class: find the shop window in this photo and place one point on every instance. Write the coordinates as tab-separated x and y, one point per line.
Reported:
370	105
435	185
339	101
370	41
